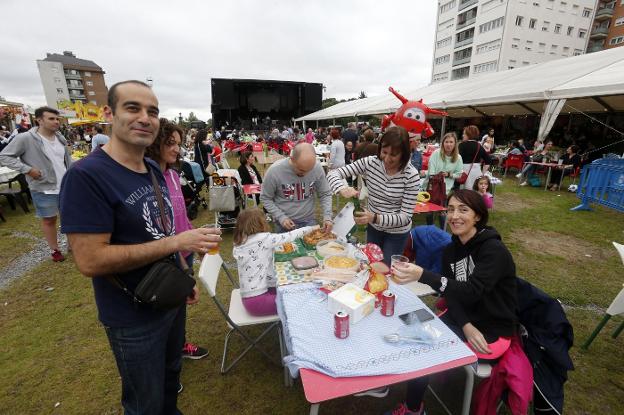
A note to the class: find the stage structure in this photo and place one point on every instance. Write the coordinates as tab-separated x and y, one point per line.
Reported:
256	104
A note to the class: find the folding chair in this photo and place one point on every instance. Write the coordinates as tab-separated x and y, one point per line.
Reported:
515	161
616	307
236	315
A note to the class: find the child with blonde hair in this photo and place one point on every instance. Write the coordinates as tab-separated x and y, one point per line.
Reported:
483	186
253	251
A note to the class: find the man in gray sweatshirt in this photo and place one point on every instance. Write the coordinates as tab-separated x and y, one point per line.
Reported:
42	155
288	190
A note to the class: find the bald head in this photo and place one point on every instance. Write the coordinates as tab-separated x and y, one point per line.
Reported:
303	159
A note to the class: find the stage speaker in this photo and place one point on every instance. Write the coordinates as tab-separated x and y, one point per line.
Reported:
223	94
313	96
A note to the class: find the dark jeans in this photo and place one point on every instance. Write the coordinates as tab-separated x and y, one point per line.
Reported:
149	359
298	224
390	243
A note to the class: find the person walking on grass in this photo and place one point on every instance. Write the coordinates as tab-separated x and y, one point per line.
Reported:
43	156
111	215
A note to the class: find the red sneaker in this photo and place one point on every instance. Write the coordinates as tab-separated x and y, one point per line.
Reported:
57	256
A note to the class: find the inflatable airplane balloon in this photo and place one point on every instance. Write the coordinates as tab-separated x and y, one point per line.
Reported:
412	116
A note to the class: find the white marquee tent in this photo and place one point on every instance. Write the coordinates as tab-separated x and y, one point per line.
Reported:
586	83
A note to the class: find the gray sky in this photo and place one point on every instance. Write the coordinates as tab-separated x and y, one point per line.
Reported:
348	45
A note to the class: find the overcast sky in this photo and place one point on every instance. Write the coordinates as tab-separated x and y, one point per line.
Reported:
348	45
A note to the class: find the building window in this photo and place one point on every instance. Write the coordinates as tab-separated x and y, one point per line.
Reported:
442	59
616	40
485	67
59	91
536	4
54	69
566	49
582	33
491	25
460	73
465	35
441	76
447	6
577	52
570	30
57	80
443	43
91	93
587	12
87	73
519	20
553	47
525	63
514	46
542	47
557	28
532	23
545	26
89	83
463	54
620	20
490	46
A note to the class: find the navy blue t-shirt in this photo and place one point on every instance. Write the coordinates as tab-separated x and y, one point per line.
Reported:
99	195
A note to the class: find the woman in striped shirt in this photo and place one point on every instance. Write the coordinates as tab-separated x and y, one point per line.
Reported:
393	185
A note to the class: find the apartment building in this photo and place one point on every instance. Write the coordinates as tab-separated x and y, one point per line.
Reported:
608	27
474	37
66	77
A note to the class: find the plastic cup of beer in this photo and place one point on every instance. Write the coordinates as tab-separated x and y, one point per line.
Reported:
397	259
215	250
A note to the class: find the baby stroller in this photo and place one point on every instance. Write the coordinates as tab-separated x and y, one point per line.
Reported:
192	181
226	197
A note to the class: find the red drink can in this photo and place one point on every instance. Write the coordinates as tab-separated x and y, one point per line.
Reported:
341	325
387	303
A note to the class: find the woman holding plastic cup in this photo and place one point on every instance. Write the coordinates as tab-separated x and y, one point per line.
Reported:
478	283
392	184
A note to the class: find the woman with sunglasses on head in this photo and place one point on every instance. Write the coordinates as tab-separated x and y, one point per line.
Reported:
478	283
393	185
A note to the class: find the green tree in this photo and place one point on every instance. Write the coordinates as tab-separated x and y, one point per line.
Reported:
362	95
192	117
328	102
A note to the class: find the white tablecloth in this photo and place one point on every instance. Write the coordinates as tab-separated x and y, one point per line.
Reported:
7	174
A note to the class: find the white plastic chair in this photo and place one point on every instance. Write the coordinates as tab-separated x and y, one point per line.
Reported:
616	308
236	315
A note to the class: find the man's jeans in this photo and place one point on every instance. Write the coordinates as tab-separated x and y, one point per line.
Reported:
300	224
149	359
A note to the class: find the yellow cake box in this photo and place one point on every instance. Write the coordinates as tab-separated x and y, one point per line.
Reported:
353	300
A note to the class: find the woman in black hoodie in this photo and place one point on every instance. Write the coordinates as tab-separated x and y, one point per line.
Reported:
478	282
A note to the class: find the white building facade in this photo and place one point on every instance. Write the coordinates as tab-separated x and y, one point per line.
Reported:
474	37
53	81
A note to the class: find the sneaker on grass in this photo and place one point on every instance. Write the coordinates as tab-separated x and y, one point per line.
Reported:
519	175
191	351
402	409
57	256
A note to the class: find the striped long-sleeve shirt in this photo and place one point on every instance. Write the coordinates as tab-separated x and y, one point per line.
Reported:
392	198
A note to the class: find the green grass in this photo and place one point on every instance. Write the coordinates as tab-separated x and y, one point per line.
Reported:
52	348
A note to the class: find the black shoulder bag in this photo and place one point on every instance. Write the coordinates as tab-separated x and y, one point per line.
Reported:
165	286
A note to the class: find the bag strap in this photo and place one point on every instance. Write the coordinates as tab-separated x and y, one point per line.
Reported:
165	217
475	156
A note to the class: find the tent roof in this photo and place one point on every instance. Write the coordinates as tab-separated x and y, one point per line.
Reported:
592	82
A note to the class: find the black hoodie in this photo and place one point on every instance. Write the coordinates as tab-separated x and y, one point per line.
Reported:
481	286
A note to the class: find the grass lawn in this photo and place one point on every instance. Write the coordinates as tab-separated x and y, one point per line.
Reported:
53	350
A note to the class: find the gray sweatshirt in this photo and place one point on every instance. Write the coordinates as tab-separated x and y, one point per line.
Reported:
26	151
286	195
336	154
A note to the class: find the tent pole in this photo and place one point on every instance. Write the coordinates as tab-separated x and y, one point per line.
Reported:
443	128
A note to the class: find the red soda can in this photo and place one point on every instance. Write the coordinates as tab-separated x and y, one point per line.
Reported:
341	325
387	303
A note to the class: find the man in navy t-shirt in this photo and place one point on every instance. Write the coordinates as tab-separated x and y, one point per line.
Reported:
110	214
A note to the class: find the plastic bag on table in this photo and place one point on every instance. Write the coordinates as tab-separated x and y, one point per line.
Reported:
416	332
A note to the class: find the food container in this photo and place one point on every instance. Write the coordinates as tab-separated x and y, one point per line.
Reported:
304	264
353	300
328	248
341	263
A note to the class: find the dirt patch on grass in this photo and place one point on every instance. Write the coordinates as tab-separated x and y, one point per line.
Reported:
553	243
511	202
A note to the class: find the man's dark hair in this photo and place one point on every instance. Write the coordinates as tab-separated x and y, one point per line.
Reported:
112	92
39	111
397	139
99	130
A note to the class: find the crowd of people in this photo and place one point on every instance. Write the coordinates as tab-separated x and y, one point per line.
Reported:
112	213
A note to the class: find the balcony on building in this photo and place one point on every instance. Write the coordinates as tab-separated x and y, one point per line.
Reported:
75	85
464	42
69	75
76	95
606	13
461	61
595	48
466	3
599	32
465	23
